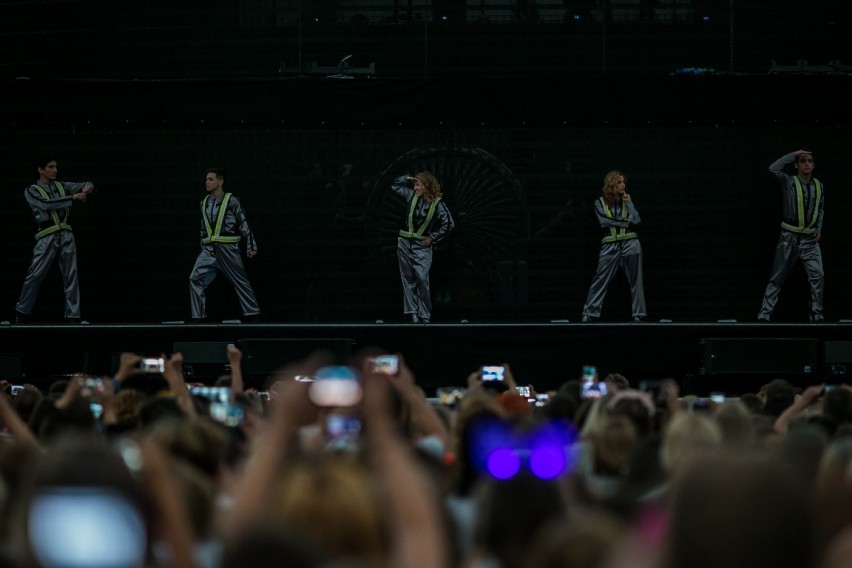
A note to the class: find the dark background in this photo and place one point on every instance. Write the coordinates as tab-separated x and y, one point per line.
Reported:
539	100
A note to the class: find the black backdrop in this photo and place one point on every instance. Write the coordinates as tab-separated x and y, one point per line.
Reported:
309	159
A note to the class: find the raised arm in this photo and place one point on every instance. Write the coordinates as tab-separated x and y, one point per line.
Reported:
776	168
402	186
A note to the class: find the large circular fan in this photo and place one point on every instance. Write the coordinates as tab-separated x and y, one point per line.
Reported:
485	199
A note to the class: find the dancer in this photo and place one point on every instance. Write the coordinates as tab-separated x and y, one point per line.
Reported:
50	201
803	207
428	222
223	226
620	247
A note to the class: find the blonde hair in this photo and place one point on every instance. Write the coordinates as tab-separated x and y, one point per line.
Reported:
431	185
609	191
331	497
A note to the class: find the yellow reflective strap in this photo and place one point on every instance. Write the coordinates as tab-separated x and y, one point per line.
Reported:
616	232
803	228
54	216
411	233
213	234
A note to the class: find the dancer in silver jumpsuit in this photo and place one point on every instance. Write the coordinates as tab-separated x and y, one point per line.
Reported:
223	226
50	201
803	207
428	222
620	247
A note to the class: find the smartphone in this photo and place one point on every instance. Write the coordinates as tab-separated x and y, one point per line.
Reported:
229	414
342	425
524	391
335	386
152	365
385	365
16	389
593	389
450	395
220	395
493	372
264	395
542	400
86	526
91	385
304	379
717	397
589	373
97	410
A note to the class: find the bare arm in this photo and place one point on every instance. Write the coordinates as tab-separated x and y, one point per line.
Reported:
782	423
417	536
15	425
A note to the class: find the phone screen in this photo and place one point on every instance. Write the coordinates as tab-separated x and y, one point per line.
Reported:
493	373
86	526
385	364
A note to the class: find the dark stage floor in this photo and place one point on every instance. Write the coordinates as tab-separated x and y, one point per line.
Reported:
729	357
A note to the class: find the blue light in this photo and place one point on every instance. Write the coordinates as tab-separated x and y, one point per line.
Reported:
575	17
705	18
547	462
503	464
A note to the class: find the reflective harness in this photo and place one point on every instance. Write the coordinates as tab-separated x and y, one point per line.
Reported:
214	234
411	233
617	234
802	228
58	225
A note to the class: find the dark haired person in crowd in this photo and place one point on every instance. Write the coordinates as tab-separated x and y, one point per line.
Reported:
803	207
50	201
223	226
620	247
428	221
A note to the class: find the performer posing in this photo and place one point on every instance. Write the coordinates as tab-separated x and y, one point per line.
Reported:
803	204
617	214
223	225
428	222
50	201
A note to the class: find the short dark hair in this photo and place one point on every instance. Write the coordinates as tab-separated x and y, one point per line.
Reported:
219	172
43	160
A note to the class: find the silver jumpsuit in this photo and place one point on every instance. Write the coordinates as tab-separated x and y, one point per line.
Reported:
220	251
620	247
415	260
50	203
803	208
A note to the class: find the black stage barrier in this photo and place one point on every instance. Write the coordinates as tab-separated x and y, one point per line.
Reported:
743	356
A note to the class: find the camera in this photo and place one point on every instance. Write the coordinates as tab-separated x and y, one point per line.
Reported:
493	372
16	389
385	365
152	365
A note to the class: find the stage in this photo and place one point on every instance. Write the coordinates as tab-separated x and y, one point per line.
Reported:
729	357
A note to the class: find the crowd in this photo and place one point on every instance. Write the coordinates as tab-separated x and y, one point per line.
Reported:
355	467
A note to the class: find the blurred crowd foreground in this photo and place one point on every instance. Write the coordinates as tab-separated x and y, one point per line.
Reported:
354	466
